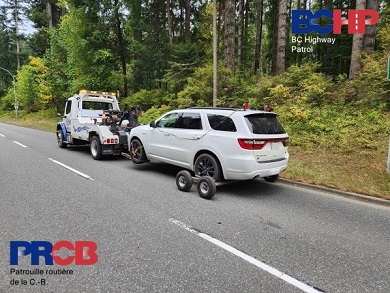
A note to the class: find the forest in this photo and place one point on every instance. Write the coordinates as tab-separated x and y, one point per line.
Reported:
330	90
161	51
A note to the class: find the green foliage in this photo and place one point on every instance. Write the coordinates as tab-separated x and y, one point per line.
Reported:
153	113
370	87
33	93
199	90
297	85
343	130
90	61
144	98
185	59
8	101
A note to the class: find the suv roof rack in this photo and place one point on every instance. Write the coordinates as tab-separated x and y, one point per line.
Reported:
215	108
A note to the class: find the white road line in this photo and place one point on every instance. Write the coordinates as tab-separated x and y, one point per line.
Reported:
304	287
71	169
18	143
2	135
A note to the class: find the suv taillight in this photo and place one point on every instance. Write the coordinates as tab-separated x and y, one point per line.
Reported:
258	144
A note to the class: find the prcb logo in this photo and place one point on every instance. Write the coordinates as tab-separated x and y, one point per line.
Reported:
305	21
84	252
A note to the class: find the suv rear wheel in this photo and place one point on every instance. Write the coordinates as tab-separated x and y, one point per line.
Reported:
208	165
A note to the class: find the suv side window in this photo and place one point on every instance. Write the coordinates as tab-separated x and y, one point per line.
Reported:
189	121
168	121
221	123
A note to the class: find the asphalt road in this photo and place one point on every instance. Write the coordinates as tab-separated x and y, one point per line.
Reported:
251	237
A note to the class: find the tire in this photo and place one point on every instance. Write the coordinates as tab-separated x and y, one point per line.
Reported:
137	152
208	165
206	187
272	178
184	181
60	140
96	148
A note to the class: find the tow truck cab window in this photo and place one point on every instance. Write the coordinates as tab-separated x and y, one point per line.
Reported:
92	105
68	108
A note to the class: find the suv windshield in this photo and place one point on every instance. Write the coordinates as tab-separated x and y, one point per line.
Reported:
264	123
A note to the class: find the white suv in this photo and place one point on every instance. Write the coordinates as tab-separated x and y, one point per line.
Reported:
226	144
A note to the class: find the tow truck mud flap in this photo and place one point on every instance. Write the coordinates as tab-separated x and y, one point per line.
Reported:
107	149
122	137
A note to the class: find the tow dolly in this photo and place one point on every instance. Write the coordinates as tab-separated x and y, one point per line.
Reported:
205	185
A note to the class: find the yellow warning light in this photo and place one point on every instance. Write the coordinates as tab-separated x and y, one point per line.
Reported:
89	92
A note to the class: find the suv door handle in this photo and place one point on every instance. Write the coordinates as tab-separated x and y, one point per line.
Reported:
166	134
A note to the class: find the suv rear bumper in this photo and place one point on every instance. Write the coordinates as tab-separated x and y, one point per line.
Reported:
252	169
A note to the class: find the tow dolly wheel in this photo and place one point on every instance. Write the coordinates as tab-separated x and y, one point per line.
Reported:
206	187
184	181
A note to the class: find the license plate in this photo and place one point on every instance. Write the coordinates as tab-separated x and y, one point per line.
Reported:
274	146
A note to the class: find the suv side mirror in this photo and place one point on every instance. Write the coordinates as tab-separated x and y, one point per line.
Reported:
152	124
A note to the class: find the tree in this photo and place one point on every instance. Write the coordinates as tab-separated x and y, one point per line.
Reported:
169	22
369	37
259	31
187	26
240	28
15	8
357	46
229	36
280	62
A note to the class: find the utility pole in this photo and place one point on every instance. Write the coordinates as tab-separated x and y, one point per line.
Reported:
388	158
215	56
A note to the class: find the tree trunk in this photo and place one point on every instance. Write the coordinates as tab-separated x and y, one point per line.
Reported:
357	46
169	20
327	55
240	31
16	15
229	35
281	38
49	12
259	30
274	26
121	46
187	21
369	37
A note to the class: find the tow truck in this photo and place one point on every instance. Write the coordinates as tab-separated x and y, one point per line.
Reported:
94	118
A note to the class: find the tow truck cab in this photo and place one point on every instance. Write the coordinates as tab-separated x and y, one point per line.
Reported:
91	117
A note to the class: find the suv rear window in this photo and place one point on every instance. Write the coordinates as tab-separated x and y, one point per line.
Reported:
264	123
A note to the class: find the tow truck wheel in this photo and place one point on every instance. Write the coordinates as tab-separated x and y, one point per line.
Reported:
60	140
206	187
96	148
184	181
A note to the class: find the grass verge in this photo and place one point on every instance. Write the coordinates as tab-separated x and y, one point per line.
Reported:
362	172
